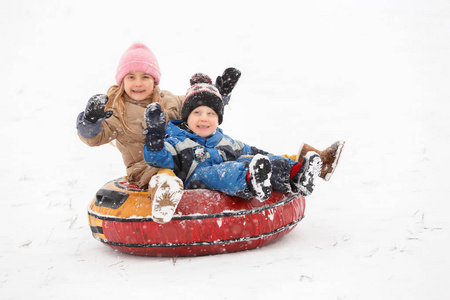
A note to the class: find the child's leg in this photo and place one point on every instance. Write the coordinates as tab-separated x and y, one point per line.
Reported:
281	168
228	177
291	176
243	179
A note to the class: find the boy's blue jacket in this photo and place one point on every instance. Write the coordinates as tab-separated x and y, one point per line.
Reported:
184	151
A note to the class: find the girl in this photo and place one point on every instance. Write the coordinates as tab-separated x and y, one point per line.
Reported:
119	115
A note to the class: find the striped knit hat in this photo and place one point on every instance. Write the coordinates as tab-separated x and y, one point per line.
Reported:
202	93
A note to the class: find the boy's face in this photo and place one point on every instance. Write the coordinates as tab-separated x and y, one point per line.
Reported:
138	85
203	121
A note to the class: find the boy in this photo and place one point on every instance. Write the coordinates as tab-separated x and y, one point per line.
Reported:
203	157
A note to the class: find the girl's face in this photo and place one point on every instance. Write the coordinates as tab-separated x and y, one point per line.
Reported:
138	85
203	121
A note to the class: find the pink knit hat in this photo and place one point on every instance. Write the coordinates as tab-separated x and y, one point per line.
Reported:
138	58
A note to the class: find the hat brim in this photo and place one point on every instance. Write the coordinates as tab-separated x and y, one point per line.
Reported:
202	99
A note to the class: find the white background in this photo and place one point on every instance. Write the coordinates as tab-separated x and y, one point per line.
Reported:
373	73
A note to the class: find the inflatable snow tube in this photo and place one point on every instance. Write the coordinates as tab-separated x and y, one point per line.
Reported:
205	222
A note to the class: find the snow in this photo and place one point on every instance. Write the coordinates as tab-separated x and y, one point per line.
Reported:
374	74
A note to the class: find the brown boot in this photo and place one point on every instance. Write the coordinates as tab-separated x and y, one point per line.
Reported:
330	157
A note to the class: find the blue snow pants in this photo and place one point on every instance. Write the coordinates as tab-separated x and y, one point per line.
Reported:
230	177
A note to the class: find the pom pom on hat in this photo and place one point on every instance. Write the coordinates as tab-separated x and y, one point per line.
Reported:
202	93
200	78
138	58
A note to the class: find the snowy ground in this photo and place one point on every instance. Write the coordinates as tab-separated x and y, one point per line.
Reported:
374	73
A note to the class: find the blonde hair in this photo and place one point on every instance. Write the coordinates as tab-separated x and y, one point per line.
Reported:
117	101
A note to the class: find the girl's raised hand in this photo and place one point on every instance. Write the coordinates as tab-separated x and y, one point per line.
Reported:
95	108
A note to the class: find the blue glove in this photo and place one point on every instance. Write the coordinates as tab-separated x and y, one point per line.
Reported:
155	133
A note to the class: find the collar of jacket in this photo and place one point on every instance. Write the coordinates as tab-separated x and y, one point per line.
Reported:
141	103
176	128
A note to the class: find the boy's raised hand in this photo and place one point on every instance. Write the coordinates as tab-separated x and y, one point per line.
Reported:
155	118
227	82
95	108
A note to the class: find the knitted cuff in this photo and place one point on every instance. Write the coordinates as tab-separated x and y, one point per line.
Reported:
86	129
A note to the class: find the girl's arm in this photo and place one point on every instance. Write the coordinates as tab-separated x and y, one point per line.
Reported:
86	129
91	125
